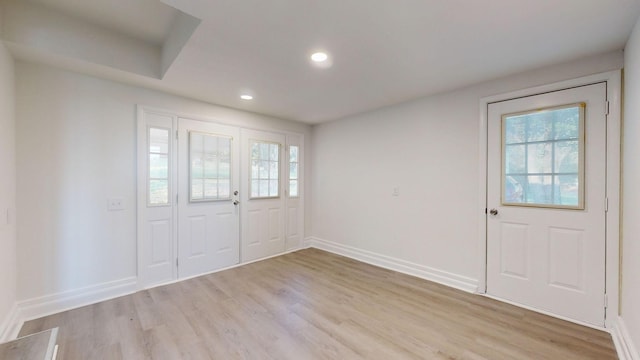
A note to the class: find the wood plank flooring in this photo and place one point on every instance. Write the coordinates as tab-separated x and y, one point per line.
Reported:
314	305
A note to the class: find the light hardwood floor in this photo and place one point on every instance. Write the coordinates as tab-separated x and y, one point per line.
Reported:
314	305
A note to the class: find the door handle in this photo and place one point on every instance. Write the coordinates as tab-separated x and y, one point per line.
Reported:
236	202
493	212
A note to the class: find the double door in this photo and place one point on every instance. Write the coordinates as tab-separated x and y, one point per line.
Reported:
213	196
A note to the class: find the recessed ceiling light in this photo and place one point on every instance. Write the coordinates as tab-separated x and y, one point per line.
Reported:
319	57
246	97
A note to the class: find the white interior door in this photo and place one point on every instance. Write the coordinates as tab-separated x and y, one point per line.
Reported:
262	197
208	173
546	198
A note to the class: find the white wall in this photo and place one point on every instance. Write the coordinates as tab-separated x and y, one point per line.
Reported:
7	188
631	189
429	149
75	148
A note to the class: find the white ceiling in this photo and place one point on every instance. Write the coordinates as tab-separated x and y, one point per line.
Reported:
148	20
384	52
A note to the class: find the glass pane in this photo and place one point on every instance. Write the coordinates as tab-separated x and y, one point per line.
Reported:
539	158
273	170
255	150
255	169
293	153
224	169
293	171
159	140
515	129
158	166
211	145
273	187
158	192
567	123
255	188
293	188
566	190
539	189
515	159
210	166
197	167
210	189
224	147
264	187
224	189
264	170
274	152
540	126
513	189
567	156
542	159
197	189
264	151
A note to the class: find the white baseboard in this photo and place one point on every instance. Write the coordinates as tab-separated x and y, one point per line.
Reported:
439	276
11	325
51	304
624	345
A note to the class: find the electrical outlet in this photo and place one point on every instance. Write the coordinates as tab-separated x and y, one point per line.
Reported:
116	203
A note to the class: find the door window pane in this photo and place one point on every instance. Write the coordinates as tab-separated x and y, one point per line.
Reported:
158	167
293	170
543	152
265	170
209	167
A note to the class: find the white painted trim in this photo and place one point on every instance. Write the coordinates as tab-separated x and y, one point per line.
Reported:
11	325
424	272
613	80
51	304
621	339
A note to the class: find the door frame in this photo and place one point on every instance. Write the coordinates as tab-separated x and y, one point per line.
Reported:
613	80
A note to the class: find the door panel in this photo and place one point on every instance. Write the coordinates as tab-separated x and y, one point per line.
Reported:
208	172
156	189
262	196
546	182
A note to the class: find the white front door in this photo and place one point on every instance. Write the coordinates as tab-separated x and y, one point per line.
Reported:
208	214
262	197
546	201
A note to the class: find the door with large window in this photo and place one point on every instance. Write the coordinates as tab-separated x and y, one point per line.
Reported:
208	214
262	197
546	201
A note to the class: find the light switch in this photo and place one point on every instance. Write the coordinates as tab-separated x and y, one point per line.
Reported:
396	191
116	203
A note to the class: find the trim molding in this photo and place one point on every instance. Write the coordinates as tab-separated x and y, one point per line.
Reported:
424	272
621	339
51	304
11	325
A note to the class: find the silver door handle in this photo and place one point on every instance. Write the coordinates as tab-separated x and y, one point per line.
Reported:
493	212
236	202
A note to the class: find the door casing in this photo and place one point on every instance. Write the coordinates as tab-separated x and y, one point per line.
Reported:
613	80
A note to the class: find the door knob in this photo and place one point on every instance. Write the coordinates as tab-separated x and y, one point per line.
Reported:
236	202
493	211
